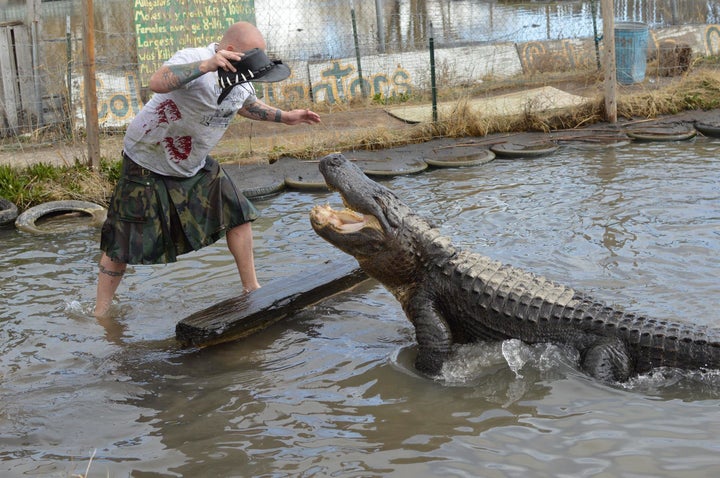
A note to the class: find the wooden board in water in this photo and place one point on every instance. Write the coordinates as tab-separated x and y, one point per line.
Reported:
239	317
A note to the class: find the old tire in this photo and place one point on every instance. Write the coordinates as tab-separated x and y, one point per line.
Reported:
303	183
391	167
28	219
474	157
8	212
516	151
254	181
661	133
708	129
271	187
302	175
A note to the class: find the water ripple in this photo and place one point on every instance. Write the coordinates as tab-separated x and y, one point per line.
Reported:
333	390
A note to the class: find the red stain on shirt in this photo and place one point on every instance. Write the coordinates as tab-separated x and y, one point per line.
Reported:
178	148
168	111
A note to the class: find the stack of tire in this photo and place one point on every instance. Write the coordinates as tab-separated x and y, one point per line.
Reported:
8	212
27	220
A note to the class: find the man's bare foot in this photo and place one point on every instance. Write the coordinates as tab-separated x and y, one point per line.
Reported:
247	290
102	309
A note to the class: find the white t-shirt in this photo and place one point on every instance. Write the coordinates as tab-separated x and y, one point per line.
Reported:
175	131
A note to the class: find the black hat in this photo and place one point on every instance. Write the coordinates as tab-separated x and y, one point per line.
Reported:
253	66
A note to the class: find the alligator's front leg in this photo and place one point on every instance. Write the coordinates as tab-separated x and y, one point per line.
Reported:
433	335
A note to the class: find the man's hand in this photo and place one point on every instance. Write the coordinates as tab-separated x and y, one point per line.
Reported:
221	59
293	117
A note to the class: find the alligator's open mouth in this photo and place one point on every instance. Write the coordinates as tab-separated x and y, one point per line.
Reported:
345	222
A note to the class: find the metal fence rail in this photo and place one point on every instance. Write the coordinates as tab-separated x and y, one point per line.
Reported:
329	43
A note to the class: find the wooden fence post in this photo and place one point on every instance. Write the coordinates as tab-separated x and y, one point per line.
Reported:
608	14
92	126
8	80
36	108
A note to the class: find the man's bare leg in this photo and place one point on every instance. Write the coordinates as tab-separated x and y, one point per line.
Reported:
109	278
240	243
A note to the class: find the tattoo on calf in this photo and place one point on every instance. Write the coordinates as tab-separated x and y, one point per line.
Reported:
104	270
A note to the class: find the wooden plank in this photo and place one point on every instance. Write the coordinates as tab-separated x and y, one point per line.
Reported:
242	316
30	103
8	79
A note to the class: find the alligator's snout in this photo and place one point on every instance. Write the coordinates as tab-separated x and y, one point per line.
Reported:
358	192
332	160
339	172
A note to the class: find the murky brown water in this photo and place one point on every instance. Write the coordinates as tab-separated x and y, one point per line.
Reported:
330	392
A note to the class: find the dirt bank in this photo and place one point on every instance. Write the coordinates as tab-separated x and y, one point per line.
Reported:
246	141
252	142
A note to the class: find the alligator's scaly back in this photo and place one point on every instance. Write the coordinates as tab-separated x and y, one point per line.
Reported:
453	296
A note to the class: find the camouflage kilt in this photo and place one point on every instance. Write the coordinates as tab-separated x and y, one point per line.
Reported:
152	219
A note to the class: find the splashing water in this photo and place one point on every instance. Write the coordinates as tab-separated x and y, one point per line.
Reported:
516	354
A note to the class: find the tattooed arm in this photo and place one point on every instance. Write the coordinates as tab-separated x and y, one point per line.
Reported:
171	77
257	110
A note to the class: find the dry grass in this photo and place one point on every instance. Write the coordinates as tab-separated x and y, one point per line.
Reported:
698	90
85	186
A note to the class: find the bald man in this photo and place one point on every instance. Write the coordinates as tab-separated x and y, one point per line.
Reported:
172	198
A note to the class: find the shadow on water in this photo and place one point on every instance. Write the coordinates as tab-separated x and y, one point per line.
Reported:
332	390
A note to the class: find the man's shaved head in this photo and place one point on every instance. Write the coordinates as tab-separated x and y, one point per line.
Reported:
242	36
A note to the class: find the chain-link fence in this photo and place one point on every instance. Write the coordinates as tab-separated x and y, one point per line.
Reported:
337	49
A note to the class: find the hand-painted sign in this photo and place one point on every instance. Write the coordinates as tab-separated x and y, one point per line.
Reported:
164	26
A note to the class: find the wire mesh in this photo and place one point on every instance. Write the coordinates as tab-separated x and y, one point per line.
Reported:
42	71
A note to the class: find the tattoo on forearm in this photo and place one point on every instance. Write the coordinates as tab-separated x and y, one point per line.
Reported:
106	271
260	112
178	75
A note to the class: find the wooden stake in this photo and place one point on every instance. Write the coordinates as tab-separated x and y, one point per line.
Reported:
92	124
608	14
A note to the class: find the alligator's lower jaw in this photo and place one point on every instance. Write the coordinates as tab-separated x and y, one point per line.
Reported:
343	222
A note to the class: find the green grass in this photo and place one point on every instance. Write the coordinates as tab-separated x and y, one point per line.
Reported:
38	183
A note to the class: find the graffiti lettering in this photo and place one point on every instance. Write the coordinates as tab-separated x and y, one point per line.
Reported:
560	55
121	107
118	98
340	84
344	84
712	40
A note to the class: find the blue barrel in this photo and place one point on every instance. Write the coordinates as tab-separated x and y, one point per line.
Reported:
631	40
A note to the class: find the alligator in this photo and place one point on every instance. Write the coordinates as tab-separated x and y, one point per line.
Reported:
452	296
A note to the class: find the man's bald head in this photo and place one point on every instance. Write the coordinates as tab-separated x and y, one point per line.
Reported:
242	36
